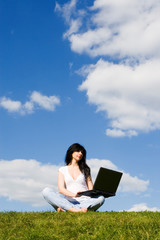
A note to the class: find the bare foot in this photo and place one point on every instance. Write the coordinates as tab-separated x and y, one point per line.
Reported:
60	210
77	210
83	209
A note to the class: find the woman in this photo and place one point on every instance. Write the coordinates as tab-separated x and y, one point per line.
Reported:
73	178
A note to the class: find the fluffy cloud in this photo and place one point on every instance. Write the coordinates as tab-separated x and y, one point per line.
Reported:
116	28
47	103
142	207
37	100
127	184
128	92
10	105
23	180
67	10
128	95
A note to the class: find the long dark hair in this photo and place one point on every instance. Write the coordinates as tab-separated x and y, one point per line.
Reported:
76	147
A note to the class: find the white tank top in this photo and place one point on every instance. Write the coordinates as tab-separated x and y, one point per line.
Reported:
74	186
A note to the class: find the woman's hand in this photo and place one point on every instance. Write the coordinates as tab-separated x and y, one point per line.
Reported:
77	195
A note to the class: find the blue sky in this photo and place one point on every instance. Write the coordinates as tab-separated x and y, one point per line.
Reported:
79	72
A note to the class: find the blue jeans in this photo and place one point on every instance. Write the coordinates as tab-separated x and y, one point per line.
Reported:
57	201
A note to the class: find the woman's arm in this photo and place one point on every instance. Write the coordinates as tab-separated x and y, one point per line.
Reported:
89	183
61	186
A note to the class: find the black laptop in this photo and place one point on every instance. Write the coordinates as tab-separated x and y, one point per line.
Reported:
106	183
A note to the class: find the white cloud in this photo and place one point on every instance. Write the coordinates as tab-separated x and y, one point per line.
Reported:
142	207
69	13
67	10
37	100
127	183
128	95
11	106
44	102
133	184
23	180
74	27
119	28
128	92
28	107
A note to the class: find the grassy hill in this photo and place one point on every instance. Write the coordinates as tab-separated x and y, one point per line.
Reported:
90	225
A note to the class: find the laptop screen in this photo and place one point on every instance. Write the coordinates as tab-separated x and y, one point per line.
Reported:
107	180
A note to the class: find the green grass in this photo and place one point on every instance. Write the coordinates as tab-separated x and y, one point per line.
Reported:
90	225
